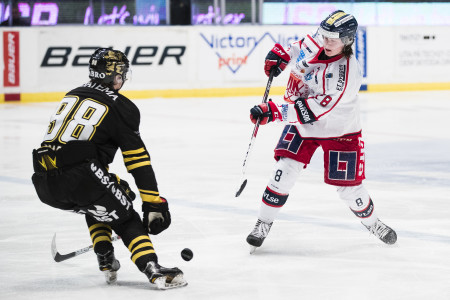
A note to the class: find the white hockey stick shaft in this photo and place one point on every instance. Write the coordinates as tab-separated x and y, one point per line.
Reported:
58	257
243	180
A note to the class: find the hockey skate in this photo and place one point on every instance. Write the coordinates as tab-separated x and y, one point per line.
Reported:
257	236
164	278
109	265
385	233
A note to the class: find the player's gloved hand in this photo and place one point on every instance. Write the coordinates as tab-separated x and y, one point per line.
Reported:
266	112
276	58
124	184
156	216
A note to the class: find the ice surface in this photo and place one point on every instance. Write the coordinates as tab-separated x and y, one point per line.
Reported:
316	249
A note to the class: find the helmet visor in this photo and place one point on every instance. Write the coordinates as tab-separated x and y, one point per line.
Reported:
328	34
122	69
127	75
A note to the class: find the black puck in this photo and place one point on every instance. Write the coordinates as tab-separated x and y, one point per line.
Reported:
187	254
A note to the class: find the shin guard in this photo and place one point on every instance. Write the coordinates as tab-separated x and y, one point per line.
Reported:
359	201
283	178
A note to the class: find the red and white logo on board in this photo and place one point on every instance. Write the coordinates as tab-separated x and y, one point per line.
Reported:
11	58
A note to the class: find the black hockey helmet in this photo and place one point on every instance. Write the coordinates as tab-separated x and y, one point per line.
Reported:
106	63
339	25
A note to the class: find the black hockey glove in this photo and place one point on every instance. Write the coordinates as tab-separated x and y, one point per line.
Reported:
124	185
156	216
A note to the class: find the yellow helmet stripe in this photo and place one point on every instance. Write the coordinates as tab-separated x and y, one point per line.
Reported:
334	17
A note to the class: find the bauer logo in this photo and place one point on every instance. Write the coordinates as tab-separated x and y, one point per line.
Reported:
234	50
78	56
11	58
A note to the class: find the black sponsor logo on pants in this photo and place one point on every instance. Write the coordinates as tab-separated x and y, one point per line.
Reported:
110	185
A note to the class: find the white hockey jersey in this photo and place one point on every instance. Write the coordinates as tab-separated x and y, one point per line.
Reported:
325	91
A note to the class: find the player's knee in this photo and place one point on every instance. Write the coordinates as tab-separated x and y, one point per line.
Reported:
349	193
284	175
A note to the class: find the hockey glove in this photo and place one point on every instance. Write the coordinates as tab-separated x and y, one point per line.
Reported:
277	58
124	185
156	216
266	112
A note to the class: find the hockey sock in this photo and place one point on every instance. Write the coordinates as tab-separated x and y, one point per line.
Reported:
283	178
358	199
137	241
271	204
100	235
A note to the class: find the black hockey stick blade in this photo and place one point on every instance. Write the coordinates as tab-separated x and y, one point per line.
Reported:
238	193
56	255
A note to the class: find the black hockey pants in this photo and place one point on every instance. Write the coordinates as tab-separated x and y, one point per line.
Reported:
87	188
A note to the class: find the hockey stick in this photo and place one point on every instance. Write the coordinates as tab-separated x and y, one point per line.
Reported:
243	180
58	257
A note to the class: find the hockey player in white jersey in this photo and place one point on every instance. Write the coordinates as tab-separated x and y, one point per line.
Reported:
321	109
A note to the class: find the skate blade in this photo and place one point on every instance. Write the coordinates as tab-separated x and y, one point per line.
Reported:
252	249
110	276
177	282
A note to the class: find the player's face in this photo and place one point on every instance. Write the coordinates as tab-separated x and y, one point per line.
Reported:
332	47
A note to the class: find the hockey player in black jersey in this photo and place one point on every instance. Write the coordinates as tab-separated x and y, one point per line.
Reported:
71	169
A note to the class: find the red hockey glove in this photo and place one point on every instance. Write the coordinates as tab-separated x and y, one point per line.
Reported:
266	112
277	58
156	216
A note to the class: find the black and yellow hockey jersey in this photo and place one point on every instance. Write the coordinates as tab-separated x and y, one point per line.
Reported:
108	120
